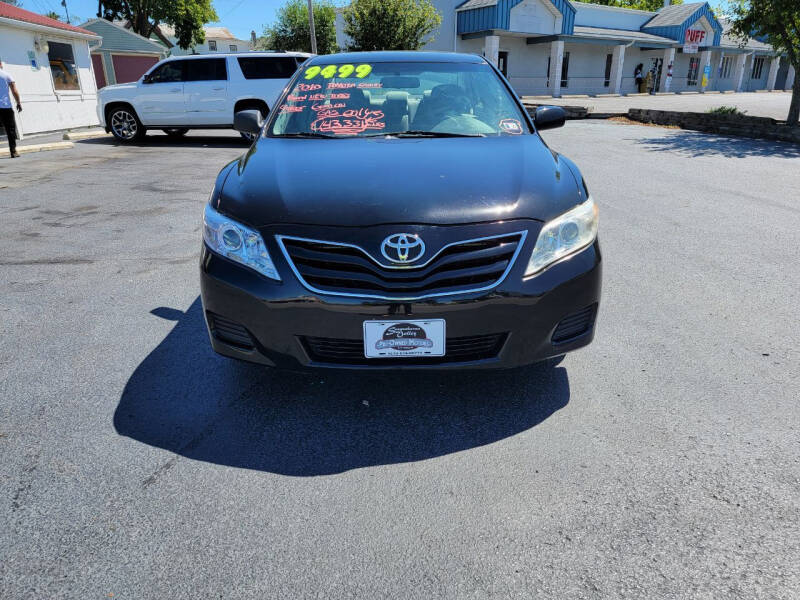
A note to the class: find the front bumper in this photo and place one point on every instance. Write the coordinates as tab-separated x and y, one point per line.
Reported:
255	319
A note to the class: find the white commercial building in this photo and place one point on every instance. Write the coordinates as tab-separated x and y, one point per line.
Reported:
558	47
51	64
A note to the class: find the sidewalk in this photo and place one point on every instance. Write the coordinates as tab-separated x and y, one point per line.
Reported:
757	104
56	140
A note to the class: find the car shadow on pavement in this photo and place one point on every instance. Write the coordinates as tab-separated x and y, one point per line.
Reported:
695	144
163	141
187	400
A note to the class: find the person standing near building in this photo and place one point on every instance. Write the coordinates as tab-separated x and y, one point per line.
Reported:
8	87
639	78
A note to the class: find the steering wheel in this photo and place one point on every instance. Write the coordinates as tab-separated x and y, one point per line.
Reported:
448	100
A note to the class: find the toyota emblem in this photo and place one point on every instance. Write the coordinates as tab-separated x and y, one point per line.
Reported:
403	247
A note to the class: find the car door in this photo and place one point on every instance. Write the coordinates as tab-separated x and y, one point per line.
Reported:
160	98
206	92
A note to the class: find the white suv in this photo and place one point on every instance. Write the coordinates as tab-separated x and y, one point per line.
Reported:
196	92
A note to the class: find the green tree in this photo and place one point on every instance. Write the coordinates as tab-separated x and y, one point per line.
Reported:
186	16
779	22
53	15
292	32
651	5
390	24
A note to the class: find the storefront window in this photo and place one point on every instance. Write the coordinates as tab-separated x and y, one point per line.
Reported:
694	68
725	69
758	67
62	67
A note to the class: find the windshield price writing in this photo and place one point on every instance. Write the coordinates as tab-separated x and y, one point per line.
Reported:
339	71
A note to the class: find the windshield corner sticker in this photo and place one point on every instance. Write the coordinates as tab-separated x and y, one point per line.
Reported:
511	126
404	337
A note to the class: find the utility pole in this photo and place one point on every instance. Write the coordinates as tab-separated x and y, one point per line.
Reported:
311	26
64	4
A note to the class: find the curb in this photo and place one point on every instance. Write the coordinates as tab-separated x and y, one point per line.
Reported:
43	147
85	135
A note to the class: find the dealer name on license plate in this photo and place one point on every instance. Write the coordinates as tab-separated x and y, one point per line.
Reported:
392	339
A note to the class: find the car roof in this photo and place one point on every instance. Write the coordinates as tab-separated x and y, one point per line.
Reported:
240	54
396	56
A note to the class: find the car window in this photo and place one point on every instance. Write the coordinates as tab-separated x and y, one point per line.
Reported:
384	98
267	67
206	69
170	72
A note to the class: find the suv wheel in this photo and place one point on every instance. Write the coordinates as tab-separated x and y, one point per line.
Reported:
176	132
125	125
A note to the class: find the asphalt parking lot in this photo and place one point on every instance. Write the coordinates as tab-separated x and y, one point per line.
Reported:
663	461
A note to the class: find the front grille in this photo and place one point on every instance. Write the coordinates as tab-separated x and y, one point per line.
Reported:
230	332
575	325
340	269
351	352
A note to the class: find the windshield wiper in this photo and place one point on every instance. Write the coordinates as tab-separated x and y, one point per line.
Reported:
435	134
431	134
305	134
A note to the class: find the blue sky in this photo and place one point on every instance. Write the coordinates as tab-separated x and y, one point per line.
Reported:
240	16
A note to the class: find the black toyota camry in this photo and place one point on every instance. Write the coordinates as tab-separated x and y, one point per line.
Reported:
400	210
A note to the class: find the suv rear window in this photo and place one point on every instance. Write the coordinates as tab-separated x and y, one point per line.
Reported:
205	69
262	67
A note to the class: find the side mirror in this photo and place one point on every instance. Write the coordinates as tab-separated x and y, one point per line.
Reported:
549	117
248	121
147	79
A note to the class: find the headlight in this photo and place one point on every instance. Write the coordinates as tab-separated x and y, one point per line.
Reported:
237	242
564	235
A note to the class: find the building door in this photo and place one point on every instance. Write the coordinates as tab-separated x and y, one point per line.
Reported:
656	64
502	63
128	68
99	72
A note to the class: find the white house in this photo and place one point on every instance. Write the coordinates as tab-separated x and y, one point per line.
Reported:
218	39
51	64
557	47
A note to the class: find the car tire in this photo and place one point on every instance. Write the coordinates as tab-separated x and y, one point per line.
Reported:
125	124
176	132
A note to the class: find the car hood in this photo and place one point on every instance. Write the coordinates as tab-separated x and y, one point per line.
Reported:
118	86
358	182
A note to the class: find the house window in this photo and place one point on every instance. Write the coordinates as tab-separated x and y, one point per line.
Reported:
502	63
725	68
609	59
564	70
62	66
694	68
212	45
234	48
758	68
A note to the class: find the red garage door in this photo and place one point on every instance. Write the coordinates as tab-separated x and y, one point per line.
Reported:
130	68
99	74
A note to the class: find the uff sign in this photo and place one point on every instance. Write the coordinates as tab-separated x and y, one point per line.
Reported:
692	40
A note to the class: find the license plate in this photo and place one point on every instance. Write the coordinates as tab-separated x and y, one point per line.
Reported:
394	339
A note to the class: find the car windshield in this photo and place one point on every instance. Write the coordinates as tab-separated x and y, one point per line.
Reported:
405	99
